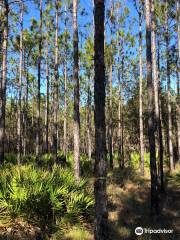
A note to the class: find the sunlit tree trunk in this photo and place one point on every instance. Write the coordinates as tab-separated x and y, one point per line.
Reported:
19	121
65	108
151	114
26	92
101	231
56	75
122	115
89	144
170	134
76	94
65	145
39	85
3	81
178	67
156	99
47	98
140	93
160	133
110	117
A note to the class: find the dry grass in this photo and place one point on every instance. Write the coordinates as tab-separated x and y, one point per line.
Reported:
129	207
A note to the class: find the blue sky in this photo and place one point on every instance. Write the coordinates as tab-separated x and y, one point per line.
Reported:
88	6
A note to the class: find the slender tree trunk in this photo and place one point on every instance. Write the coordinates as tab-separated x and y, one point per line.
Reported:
76	94
156	101
89	144
151	114
119	106
122	115
119	118
101	232
110	117
39	86
65	108
160	134
178	67
3	82
47	98
170	145
140	93
26	92
65	94
19	123
55	130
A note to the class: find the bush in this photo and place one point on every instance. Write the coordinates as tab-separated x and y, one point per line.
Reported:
43	197
10	158
135	159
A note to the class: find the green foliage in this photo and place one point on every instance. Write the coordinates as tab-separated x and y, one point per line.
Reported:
46	160
135	159
175	179
43	197
10	158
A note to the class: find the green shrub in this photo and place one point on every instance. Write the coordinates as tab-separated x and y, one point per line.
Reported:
28	159
43	197
10	158
135	159
46	160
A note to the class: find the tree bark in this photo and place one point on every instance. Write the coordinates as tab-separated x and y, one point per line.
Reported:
3	82
39	85
89	120
65	145
170	135
47	98
101	216
122	115
55	125
19	120
160	133
140	93
76	94
178	67
156	100
151	114
110	116
65	108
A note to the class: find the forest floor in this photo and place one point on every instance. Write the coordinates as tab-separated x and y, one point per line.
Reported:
128	208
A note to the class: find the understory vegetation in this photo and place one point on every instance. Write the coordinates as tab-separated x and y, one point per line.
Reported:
45	198
47	195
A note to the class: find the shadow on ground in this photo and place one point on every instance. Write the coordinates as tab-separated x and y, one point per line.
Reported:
129	207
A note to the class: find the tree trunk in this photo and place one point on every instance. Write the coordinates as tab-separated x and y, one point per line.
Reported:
26	92
55	127
65	108
65	145
3	82
19	123
76	93
89	146
156	100
119	118
101	231
178	67
39	86
151	114
47	98
160	133
140	93
110	117
170	145
122	115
